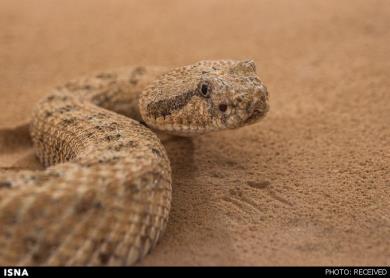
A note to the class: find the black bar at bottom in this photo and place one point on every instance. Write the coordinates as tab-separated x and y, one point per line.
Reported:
330	271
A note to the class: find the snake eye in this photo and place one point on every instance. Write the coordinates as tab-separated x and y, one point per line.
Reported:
205	90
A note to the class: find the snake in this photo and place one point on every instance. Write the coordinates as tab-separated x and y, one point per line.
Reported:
104	195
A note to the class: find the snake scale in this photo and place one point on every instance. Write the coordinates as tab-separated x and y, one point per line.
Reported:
104	196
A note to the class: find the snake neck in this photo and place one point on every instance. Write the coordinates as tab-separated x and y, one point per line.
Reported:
118	90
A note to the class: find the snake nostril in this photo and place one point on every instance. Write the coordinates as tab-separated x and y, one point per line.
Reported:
262	90
222	107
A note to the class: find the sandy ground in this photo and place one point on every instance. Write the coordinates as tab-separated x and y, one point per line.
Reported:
310	185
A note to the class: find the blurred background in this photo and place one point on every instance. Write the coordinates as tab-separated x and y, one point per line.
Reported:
308	185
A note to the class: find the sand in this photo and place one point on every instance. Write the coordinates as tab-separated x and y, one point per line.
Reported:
309	185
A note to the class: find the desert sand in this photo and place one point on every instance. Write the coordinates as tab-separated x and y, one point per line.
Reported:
309	185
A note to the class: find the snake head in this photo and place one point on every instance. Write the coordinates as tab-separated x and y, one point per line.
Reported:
206	96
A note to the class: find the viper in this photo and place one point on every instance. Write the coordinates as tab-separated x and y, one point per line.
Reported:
105	194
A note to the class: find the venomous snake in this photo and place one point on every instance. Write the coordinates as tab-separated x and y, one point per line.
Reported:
104	197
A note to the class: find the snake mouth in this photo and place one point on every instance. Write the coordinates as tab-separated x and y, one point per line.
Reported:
256	115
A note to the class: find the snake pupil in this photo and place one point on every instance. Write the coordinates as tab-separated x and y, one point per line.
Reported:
205	89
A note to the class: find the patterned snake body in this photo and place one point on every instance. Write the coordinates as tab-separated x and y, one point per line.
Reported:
104	198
